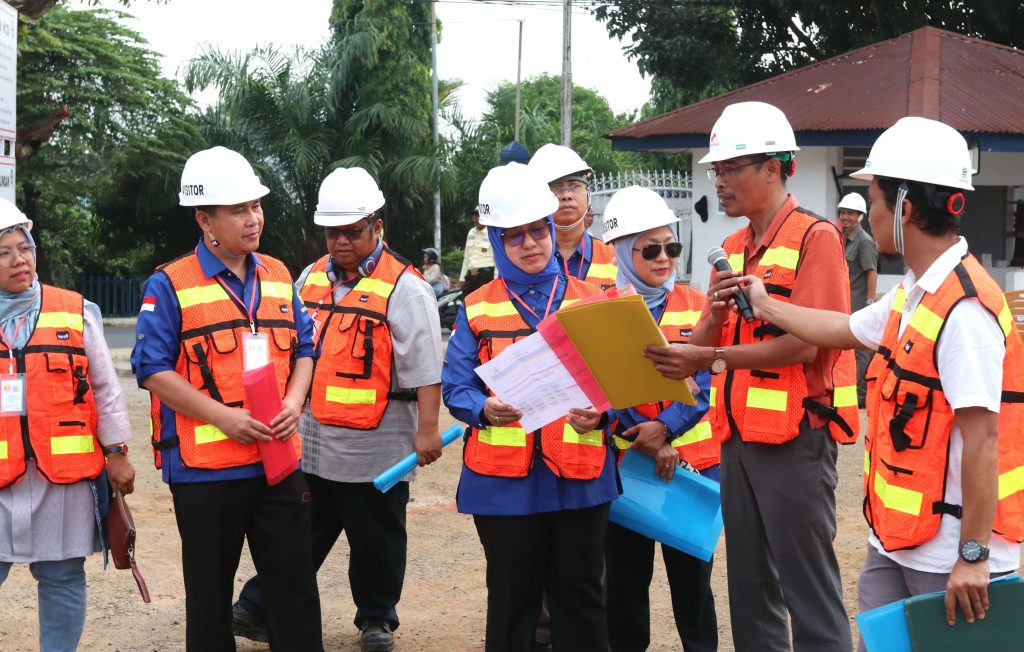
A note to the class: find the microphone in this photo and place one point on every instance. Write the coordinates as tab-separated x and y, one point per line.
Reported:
720	261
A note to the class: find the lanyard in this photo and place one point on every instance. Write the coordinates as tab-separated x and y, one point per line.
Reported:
7	343
252	299
581	250
547	310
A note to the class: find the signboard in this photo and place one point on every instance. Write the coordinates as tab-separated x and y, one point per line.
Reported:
8	96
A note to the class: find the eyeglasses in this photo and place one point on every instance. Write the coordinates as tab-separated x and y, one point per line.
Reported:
23	251
516	238
575	187
727	171
333	232
652	251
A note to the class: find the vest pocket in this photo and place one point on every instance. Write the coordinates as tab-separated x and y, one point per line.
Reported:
911	412
61	381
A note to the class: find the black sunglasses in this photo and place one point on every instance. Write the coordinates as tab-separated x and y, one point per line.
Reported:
516	238
652	251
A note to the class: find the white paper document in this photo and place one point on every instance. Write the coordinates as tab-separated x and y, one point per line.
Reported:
529	377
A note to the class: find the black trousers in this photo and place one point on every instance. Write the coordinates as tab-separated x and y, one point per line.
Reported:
629	568
561	553
213	520
374	524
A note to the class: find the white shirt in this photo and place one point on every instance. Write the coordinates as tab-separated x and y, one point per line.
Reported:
970	355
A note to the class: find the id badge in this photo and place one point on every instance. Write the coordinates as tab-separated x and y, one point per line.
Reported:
255	350
12	395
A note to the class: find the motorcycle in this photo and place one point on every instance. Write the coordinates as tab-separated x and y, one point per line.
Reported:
448	305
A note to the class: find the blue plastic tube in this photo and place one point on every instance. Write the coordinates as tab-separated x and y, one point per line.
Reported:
392	476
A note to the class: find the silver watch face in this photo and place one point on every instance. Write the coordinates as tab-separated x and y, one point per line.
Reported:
970	550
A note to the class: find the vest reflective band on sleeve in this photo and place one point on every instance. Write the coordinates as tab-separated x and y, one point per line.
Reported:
3	450
926	322
208	434
736	262
780	257
712	396
189	297
699	432
620	443
1006	320
350	396
276	290
681	318
496	436
899	299
317	279
72	444
602	270
766	399
375	286
59	320
1011	482
898	498
482	309
845	396
592	438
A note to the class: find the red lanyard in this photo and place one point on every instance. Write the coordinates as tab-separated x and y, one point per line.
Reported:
249	312
547	310
7	343
581	250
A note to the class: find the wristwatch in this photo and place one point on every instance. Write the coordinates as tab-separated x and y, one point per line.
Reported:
116	448
718	364
971	551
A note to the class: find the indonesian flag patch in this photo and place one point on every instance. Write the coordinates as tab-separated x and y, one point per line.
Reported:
148	304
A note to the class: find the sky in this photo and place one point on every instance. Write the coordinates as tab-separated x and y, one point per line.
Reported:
478	41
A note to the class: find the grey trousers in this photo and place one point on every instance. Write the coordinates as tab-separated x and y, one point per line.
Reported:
779	509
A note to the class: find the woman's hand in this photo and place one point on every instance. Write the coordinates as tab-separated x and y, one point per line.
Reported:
583	419
500	414
665	462
650	437
286	423
121	473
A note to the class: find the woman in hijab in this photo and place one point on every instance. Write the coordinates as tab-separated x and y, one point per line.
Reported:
539	499
636	224
63	422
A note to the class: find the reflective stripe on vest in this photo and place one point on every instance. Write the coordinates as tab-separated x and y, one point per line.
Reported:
602	270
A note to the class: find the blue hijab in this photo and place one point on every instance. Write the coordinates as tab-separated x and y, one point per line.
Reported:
654	295
508	270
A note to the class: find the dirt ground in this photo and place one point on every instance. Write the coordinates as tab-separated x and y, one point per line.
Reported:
443	604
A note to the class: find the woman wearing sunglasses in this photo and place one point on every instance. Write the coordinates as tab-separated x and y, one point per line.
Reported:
539	499
636	224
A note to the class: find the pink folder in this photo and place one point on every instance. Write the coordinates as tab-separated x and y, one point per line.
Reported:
264	401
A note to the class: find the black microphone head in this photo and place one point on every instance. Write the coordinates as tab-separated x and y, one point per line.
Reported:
715	254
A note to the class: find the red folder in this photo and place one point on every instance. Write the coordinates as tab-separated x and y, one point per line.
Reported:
264	401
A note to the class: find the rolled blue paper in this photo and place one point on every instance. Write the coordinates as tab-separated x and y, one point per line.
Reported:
392	476
685	514
884	629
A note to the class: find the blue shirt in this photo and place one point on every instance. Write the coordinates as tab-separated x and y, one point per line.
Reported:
464	395
157	347
579	262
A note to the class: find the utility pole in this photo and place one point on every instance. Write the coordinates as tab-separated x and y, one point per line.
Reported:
519	72
433	92
567	73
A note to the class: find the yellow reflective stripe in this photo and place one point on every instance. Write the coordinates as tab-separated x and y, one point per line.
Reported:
781	257
699	432
208	434
72	444
845	396
766	399
620	443
189	297
898	498
1011	482
3	450
680	318
899	299
713	396
1006	319
317	279
926	322
375	286
592	438
60	320
503	436
867	461
602	270
503	309
736	262
276	289
566	303
351	396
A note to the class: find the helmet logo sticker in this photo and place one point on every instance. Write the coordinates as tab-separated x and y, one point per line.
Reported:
192	190
714	139
741	146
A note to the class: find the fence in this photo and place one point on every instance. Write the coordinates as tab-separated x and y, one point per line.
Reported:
116	296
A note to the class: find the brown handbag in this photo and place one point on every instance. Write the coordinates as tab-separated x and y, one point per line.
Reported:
121	536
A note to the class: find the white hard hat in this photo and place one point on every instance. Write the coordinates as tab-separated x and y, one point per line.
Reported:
347	195
513	195
854	202
750	128
635	210
919	149
219	177
11	215
554	162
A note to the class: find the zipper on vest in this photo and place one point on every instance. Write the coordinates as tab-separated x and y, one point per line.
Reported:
896	470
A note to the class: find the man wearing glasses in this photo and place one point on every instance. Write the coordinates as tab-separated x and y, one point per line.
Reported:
374	398
776	398
578	253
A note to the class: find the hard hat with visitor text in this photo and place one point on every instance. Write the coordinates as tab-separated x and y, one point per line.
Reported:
219	177
635	210
750	128
11	215
854	202
513	195
555	162
347	195
923	150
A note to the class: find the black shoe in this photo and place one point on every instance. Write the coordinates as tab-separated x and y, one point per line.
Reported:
376	636
246	625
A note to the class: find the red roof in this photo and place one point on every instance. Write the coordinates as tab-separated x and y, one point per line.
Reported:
970	84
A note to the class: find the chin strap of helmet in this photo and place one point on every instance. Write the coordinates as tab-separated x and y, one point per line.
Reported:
215	243
897	222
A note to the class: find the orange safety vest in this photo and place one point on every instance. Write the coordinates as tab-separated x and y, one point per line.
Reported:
907	450
352	378
695	446
212	330
59	426
508	450
767	405
602	270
